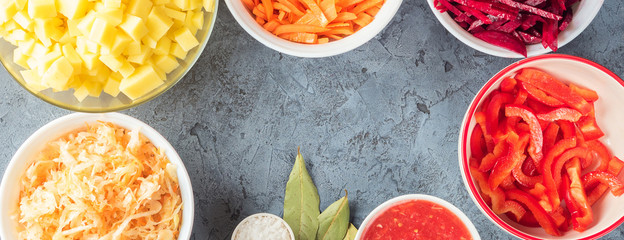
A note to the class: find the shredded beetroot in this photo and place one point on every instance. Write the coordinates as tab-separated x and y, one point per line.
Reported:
512	24
502	39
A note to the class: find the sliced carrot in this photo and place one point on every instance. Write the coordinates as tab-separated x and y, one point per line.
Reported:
300	37
313	21
345	16
298	28
268	9
365	5
363	19
271	25
329	9
322	40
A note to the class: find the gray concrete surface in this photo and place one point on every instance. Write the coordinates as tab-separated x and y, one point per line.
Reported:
379	121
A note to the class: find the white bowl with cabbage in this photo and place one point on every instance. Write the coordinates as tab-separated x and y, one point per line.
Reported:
96	176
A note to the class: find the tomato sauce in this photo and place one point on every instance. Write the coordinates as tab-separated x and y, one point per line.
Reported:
416	219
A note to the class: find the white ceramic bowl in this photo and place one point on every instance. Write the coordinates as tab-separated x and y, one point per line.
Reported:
245	19
397	200
584	12
609	211
61	126
267	215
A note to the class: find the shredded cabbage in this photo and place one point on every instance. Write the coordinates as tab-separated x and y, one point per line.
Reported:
101	183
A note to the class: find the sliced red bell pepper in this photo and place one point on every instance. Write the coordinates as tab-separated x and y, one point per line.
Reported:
477	143
589	127
508	84
577	152
583	219
537	139
546	168
508	183
587	94
506	164
617	188
489	142
528	220
493	110
538	212
528	167
539	192
540	95
521	97
490	159
604	155
497	196
550	136
562	113
615	167
522	178
568	130
554	88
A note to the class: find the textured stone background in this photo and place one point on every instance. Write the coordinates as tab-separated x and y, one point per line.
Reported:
379	121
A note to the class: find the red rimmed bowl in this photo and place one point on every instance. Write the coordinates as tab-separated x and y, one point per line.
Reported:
608	211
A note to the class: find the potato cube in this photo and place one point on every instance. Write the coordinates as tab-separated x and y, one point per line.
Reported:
112	84
113	16
94	88
92	47
134	27
41	8
163	46
158	24
126	69
167	63
185	38
143	80
58	74
90	60
86	23
24	20
209	5
121	43
81	93
72	56
20	58
134	48
149	41
47	60
33	80
140	58
172	13
139	8
198	19
103	33
182	4
112	3
112	62
177	51
72	9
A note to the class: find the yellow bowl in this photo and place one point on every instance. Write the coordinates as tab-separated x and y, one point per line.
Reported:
105	102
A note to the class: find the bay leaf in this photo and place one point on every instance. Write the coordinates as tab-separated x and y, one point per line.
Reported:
334	221
301	202
351	232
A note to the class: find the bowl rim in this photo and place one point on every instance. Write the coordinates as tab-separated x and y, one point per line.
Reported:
246	21
394	201
186	192
134	103
480	45
463	139
291	233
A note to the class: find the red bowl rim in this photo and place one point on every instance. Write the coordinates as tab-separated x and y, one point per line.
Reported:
464	138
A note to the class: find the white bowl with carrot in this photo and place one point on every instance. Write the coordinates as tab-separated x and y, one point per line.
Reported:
313	29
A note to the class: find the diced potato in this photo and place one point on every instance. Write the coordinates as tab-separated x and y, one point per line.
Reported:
81	93
112	62
163	46
72	9
113	16
86	23
209	5
149	41
140	58
92	47
186	39
139	8
134	27
20	58
94	88
72	56
121	43
134	48
177	51
41	8
167	63
112	84
112	4
174	14
58	74
126	69
158	24
8	11
143	80
198	19
103	33
24	20
33	80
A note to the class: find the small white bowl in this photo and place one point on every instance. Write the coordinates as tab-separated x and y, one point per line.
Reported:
245	19
392	202
58	128
584	12
609	211
266	215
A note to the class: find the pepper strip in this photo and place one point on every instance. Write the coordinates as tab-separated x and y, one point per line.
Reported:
537	138
617	188
584	217
587	94
522	178
577	152
538	212
589	127
615	167
562	113
550	136
546	168
477	143
488	162
603	153
506	164
497	196
540	95
554	88
489	142
508	84
493	110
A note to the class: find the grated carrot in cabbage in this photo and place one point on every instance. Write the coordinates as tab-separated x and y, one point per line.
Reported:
101	182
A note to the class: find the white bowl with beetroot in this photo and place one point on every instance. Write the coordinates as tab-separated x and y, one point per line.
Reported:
417	216
512	28
571	150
